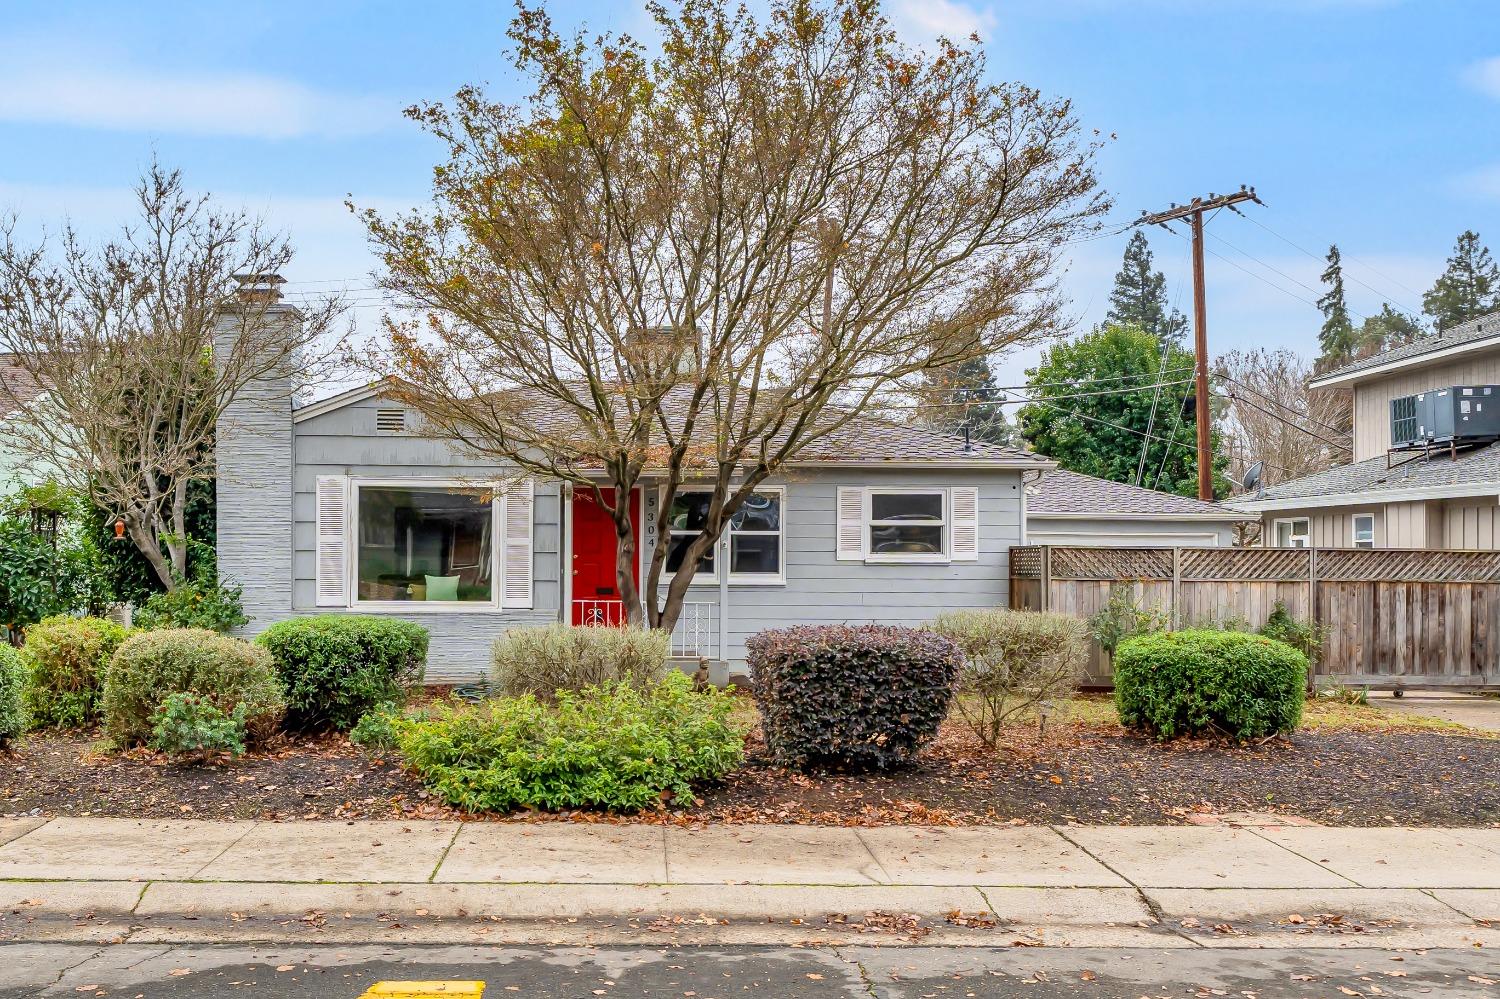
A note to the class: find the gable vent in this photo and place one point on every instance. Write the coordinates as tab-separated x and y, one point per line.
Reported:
390	421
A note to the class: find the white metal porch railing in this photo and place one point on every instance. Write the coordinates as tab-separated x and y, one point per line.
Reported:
695	636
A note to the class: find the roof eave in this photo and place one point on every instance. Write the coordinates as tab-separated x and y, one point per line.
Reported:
1334	378
1490	487
1226	516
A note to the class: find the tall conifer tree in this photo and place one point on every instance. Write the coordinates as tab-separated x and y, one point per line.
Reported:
1139	297
1336	340
1468	289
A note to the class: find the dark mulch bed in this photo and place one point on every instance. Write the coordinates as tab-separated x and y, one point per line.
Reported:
1085	774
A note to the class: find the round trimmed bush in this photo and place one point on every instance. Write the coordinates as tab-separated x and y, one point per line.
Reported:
12	695
336	667
150	667
66	657
1191	682
858	697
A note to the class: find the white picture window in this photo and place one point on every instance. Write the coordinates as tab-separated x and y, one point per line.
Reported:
1292	532
756	537
907	525
1364	530
430	544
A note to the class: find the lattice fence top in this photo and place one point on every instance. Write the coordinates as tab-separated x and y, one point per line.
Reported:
1111	563
1245	563
1407	565
1026	562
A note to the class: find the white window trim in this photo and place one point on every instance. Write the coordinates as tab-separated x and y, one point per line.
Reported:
908	558
497	565
1354	530
701	578
1306	534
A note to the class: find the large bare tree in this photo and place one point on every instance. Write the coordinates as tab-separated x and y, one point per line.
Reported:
122	337
1273	416
698	265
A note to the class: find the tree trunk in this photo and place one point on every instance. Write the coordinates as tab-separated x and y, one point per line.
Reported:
625	559
146	543
177	546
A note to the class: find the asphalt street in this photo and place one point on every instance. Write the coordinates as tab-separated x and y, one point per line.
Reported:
890	972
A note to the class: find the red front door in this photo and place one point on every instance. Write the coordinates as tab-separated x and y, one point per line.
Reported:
596	593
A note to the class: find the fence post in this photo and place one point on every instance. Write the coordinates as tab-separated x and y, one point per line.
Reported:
1312	611
1176	615
1046	577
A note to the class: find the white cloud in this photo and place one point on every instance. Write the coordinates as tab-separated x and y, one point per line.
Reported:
1484	76
924	20
61	85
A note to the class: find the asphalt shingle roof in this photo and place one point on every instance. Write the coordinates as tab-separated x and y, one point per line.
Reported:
1474	329
1063	492
17	387
1476	466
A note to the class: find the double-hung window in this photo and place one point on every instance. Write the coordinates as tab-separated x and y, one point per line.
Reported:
1364	530
907	524
756	536
1292	532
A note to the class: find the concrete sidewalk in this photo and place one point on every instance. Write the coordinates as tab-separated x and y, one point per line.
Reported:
169	882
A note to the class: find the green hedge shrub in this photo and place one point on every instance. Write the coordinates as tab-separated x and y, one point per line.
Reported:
615	747
555	657
66	657
13	675
1014	662
336	667
859	697
152	666
194	726
1191	682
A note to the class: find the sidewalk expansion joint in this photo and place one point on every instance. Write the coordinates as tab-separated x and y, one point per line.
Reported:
1317	863
253	826
858	966
431	878
884	874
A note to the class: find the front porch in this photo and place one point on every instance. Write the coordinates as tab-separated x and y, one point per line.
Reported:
695	636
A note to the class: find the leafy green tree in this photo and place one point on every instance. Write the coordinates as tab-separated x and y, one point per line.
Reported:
1101	434
1139	297
1336	339
966	392
1389	328
1468	289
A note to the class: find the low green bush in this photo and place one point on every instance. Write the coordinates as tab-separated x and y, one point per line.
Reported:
859	697
1304	636
192	725
555	657
66	657
615	747
1014	663
199	602
336	667
152	666
376	728
1193	682
13	675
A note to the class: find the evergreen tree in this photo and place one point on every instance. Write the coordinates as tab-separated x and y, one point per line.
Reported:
1102	434
1139	297
1388	328
1336	339
1468	289
967	392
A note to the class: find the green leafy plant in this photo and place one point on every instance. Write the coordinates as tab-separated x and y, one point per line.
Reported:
859	697
199	602
1122	617
1015	663
1305	636
1193	682
13	676
152	666
66	657
376	728
336	667
192	725
615	747
1339	693
555	657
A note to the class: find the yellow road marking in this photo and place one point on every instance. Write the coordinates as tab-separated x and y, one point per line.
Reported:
422	990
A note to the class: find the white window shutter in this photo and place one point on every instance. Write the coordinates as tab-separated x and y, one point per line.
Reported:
519	500
851	525
333	541
963	502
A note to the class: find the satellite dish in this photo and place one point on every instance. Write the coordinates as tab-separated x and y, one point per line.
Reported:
1252	477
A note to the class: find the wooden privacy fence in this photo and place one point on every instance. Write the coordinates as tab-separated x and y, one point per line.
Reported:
1393	617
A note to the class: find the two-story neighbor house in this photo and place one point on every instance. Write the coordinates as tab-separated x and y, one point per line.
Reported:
1426	468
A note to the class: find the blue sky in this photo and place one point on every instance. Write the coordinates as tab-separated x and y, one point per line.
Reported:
1372	123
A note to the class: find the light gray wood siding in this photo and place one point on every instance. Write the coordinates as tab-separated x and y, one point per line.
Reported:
1472	524
1372	400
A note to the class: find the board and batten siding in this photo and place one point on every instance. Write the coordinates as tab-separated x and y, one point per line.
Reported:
1466	524
1472	524
1372	399
822	589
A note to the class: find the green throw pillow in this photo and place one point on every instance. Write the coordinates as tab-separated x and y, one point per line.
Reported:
442	587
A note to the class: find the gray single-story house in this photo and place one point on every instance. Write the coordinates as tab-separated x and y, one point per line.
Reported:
1068	508
344	505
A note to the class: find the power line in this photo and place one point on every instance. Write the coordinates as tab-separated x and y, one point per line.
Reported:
1281	419
1355	260
1015	400
1280	405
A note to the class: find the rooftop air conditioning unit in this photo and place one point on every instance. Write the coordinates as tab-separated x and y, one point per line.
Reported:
1459	414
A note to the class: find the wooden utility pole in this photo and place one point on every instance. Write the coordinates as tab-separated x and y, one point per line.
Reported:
1194	211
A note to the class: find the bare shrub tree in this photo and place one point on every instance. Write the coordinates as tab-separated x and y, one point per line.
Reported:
122	338
1274	417
699	265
